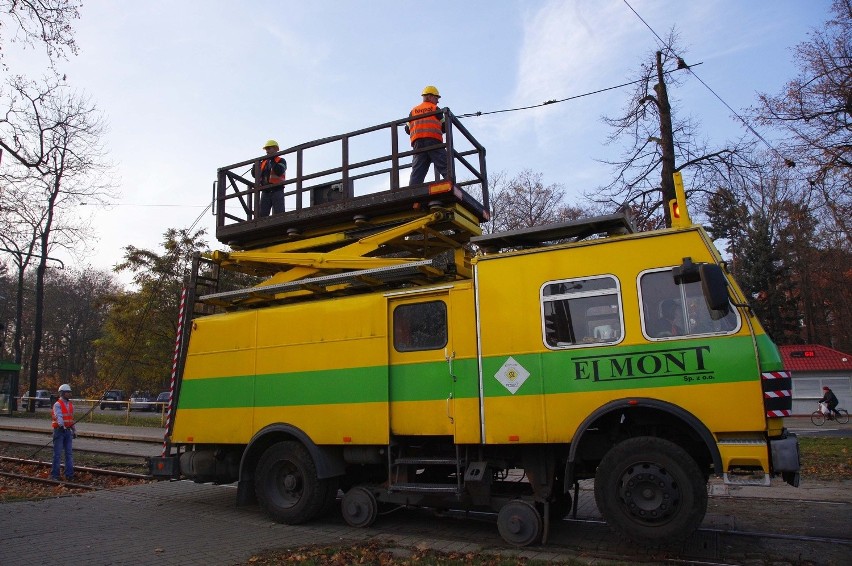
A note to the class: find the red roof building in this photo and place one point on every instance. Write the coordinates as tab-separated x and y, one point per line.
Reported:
812	367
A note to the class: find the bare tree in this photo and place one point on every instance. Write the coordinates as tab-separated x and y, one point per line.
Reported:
39	21
525	201
659	143
815	113
53	134
19	236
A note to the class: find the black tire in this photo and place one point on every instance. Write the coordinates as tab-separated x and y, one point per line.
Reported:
842	416
818	418
287	487
651	491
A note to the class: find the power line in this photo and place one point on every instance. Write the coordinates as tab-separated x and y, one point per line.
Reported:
644	22
546	102
144	205
576	96
787	162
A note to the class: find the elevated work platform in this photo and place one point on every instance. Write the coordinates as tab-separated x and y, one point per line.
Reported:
346	192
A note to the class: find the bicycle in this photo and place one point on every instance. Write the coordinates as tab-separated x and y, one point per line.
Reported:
819	418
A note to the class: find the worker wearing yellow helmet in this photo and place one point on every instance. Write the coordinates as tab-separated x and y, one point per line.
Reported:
272	173
426	135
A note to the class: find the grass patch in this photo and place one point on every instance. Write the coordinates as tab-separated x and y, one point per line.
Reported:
826	458
83	415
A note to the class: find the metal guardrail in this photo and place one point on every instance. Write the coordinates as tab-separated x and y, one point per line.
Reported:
236	197
85	408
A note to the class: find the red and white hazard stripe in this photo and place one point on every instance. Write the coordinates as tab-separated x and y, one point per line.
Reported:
768	377
174	368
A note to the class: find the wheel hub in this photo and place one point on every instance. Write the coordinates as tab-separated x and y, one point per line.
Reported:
519	523
649	492
291	482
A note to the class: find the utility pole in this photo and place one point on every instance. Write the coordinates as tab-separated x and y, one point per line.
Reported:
667	137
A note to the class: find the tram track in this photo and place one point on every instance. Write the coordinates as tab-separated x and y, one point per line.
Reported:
22	476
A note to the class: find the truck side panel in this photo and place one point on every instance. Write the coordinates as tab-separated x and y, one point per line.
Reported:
323	372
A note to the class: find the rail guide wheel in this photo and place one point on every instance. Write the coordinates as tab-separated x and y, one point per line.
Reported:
519	523
359	507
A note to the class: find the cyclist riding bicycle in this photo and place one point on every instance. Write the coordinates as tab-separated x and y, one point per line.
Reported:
830	400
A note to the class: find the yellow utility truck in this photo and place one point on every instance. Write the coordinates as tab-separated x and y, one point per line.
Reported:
375	344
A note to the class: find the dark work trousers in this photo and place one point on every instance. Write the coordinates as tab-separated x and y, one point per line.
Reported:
271	199
420	161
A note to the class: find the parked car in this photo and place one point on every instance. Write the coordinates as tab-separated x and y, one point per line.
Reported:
163	400
142	401
42	398
113	399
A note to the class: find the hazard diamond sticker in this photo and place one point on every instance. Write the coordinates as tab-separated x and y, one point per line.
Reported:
512	375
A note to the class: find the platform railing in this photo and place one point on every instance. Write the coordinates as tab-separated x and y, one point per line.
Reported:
236	195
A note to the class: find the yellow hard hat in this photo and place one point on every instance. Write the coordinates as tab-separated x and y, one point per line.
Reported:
270	143
431	90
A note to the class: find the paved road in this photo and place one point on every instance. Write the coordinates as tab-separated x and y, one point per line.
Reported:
198	524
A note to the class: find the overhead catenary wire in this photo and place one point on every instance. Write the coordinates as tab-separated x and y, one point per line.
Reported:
557	101
547	102
788	162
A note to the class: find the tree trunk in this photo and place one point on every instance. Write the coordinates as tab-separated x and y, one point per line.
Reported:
38	315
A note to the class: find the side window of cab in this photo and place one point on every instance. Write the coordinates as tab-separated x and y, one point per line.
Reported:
581	312
671	310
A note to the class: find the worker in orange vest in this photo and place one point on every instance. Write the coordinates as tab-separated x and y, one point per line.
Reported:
272	171
427	132
64	432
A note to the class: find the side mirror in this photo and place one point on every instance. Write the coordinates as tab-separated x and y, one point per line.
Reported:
715	288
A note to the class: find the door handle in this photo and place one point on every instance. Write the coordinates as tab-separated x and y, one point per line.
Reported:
449	415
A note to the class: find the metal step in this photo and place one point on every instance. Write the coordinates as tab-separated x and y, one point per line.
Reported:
425	487
427	461
761	479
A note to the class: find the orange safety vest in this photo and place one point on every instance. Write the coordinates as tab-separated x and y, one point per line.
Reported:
67	414
429	127
273	178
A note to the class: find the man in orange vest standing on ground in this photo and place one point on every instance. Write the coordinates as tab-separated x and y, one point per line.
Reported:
272	171
64	432
427	132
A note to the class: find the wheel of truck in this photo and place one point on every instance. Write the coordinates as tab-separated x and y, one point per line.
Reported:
818	418
650	490
519	523
286	484
359	507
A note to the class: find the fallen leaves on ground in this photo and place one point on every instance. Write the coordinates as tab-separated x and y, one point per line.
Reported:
14	489
382	553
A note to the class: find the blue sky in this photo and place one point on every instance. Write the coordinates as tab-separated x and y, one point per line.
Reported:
191	86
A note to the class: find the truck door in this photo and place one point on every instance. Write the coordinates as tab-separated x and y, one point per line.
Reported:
421	386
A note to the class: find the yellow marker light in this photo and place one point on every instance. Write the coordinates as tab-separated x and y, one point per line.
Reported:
440	187
677	206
